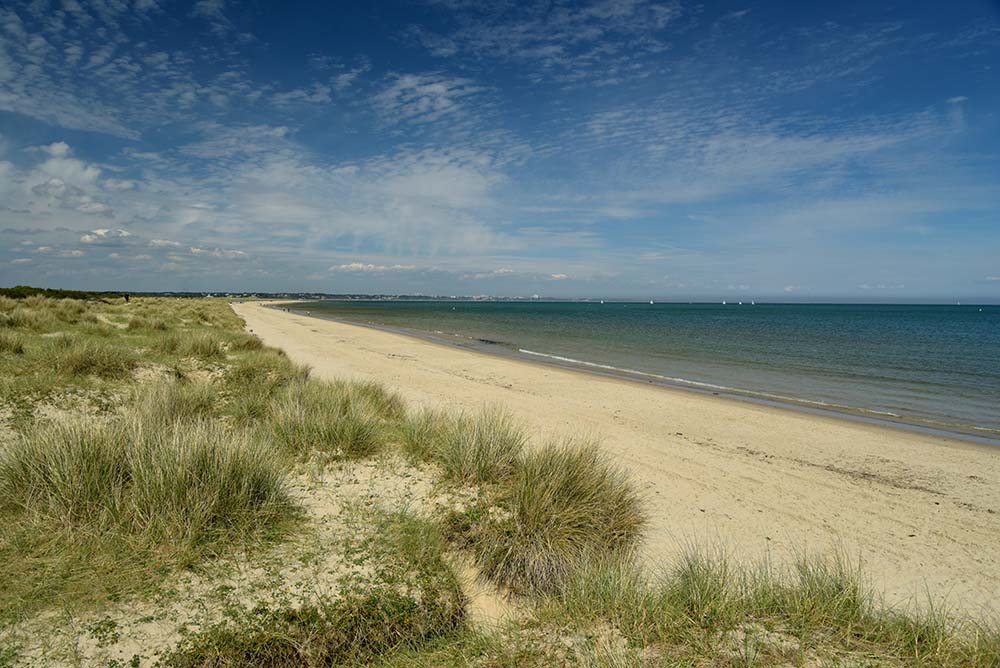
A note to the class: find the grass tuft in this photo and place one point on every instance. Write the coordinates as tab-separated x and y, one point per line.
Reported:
89	358
333	418
88	506
174	400
484	448
566	504
201	345
11	343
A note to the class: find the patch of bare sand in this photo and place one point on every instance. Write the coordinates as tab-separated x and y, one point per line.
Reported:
920	513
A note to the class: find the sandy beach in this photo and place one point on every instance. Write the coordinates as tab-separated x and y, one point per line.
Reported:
921	513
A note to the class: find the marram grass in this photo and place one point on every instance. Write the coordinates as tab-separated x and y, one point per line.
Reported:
565	503
90	508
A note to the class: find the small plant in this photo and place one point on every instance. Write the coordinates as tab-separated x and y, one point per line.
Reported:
11	343
416	599
484	448
326	417
422	436
167	402
565	504
88	358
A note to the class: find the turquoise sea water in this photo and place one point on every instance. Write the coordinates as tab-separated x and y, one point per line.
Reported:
938	366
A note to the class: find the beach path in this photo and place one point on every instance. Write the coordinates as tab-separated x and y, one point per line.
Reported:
920	512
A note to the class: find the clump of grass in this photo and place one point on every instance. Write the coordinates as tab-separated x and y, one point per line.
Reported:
246	342
565	504
169	401
138	322
263	371
201	345
483	448
416	599
87	506
422	435
696	610
11	343
27	318
90	358
332	418
99	329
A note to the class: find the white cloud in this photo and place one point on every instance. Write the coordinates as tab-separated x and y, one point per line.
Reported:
424	98
21	260
58	149
558	277
118	184
217	252
360	267
164	243
95	236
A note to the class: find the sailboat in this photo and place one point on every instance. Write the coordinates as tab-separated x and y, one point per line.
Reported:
723	302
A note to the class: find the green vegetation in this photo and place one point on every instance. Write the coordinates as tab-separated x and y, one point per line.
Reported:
147	440
481	448
415	598
24	291
104	505
337	419
11	344
564	504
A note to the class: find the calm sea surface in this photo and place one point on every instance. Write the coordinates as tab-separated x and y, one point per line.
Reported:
938	366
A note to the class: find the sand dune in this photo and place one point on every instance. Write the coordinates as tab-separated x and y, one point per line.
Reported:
922	513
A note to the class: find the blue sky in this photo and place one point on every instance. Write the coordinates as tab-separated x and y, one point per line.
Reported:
635	148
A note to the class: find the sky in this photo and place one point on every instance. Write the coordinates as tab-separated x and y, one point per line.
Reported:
609	148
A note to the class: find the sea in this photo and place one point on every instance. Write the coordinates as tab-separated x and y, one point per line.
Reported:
931	367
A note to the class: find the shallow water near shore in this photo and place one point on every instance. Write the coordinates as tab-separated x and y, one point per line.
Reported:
932	366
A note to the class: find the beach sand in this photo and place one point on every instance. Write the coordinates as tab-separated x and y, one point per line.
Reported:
921	513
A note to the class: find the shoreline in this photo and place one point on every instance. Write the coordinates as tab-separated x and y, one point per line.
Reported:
920	514
960	435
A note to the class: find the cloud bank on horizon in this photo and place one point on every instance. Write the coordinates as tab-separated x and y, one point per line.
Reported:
647	148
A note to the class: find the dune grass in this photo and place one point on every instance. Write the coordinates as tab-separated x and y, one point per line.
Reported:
414	598
92	358
338	419
564	504
11	343
173	400
481	448
90	508
706	610
202	345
